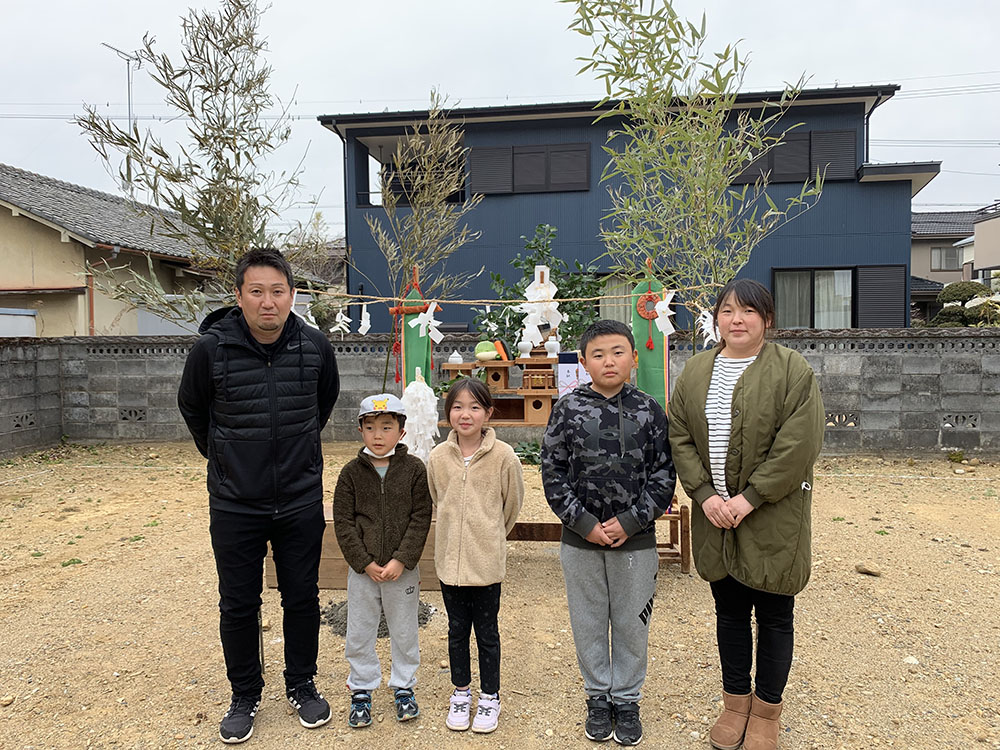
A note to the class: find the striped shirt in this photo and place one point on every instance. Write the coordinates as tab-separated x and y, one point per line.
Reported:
718	412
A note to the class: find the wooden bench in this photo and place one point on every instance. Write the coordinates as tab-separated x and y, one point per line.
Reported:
674	548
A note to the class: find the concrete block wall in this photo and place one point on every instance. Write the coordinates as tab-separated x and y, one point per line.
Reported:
892	391
30	404
901	390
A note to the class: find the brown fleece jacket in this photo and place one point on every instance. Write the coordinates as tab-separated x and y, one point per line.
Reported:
378	519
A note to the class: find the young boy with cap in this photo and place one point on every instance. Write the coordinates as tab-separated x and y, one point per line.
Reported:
381	515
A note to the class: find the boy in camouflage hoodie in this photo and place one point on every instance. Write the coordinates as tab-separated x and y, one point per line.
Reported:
608	475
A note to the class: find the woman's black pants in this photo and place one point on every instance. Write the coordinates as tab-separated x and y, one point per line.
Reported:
775	638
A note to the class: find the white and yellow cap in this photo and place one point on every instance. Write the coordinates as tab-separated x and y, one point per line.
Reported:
382	403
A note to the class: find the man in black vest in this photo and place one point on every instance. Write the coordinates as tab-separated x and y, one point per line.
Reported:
258	387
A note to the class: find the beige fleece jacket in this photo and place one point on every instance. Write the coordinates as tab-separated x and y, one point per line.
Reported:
476	509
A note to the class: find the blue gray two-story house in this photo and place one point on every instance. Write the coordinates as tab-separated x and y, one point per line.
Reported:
843	264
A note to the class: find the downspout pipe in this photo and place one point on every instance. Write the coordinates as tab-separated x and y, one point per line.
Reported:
880	99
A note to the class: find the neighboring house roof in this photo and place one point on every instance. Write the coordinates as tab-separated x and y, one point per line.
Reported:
920	285
943	223
90	216
870	96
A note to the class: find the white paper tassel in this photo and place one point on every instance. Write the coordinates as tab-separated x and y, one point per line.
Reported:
421	417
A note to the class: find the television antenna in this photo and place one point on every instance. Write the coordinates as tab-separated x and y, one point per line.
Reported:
130	59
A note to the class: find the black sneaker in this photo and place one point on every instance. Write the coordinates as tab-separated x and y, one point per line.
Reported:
237	724
628	728
313	709
361	709
406	705
598	727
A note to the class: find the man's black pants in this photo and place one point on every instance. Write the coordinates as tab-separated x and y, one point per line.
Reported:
775	638
239	542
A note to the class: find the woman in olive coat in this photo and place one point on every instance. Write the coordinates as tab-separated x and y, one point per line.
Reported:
746	426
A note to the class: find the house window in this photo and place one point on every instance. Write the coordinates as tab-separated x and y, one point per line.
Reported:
560	167
946	259
814	298
804	153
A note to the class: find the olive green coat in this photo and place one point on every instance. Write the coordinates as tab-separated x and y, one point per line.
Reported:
777	433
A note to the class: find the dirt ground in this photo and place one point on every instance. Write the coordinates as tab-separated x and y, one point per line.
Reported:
109	630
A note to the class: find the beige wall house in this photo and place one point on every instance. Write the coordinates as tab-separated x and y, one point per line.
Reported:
933	251
987	243
50	230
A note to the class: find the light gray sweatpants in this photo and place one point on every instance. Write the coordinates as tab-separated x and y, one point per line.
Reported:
366	600
610	588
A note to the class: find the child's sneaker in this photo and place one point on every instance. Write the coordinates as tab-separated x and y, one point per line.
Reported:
599	726
361	709
313	709
237	725
406	705
487	714
628	728
458	711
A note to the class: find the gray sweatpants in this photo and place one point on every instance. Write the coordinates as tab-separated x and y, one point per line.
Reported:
366	600
610	587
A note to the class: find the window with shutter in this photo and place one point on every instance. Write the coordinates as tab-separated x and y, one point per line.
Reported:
834	152
569	167
491	170
882	299
790	160
529	169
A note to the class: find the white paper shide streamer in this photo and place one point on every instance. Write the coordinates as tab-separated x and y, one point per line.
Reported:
540	308
366	320
706	324
421	417
663	312
341	324
428	325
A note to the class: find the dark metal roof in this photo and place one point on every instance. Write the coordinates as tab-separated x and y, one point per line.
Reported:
94	217
957	224
918	284
868	95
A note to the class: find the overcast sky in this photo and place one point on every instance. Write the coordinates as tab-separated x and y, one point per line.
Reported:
340	57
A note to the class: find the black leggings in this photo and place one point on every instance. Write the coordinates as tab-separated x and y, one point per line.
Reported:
775	638
469	606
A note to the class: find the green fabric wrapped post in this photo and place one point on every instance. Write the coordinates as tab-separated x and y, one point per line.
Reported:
416	349
653	370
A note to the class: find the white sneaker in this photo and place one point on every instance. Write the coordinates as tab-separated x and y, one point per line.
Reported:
487	715
458	712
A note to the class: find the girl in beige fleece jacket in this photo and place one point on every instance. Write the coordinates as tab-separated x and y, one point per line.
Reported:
477	488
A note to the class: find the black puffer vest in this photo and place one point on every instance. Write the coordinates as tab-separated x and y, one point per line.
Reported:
264	453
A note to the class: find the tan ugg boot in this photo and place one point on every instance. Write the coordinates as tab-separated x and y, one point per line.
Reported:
727	734
762	728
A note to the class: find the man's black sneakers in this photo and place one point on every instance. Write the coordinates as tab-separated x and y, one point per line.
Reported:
628	728
237	723
313	709
599	727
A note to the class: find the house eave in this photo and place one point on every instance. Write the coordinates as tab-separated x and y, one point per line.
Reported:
919	174
869	96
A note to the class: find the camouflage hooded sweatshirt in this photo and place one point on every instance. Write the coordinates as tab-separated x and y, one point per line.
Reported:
604	458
